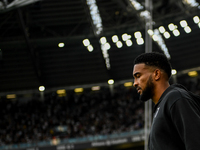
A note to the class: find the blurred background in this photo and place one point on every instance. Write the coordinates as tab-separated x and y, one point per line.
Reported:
66	68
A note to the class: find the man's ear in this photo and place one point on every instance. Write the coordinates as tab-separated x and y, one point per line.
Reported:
157	74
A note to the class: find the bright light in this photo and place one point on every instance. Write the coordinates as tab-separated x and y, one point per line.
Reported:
150	32
176	32
174	72
111	81
103	40
90	48
61	45
107	46
193	73
96	18
95	88
166	35
155	37
196	19
115	38
41	88
161	29
86	42
62	91
78	90
124	36
140	41
199	24
138	34
11	96
183	23
171	26
119	44
129	43
187	29
136	5
128	84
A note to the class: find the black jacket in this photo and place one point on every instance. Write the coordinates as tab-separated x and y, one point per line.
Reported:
176	121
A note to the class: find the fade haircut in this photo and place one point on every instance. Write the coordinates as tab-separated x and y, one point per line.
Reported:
155	59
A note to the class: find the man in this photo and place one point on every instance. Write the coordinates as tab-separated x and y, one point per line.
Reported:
176	120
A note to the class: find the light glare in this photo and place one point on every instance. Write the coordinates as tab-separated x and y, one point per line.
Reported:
103	40
111	81
161	29
119	44
187	29
115	38
166	35
174	71
196	19
90	48
138	34
41	88
171	26
61	45
183	23
86	42
176	32
129	43
140	41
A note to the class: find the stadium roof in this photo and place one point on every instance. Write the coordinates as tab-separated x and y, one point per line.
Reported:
31	31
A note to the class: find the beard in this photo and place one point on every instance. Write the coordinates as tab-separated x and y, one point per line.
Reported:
148	91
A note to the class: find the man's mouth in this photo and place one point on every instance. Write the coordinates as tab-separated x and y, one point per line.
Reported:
139	90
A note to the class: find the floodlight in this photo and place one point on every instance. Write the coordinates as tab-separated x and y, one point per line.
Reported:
187	29
196	19
103	40
129	43
140	41
86	42
61	45
161	29
90	48
138	34
166	35
115	38
183	23
176	32
171	26
119	44
111	81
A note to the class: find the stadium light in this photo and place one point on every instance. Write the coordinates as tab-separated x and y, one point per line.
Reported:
41	88
196	19
129	43
176	32
183	23
61	45
103	40
86	42
111	81
119	44
174	72
166	35
161	29
90	48
95	15
115	38
187	29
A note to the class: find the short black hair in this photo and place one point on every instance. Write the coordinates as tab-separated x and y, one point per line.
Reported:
155	59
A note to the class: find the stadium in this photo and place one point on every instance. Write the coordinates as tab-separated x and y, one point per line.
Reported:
66	69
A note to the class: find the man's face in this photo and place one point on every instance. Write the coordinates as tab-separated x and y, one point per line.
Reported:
143	81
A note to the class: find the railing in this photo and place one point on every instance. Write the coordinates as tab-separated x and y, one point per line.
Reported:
83	142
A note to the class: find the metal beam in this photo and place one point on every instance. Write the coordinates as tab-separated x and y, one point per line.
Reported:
33	57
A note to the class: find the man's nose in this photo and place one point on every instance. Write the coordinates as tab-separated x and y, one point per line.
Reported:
135	83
